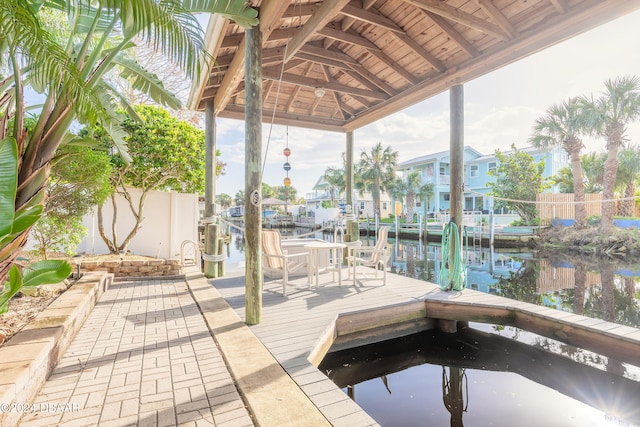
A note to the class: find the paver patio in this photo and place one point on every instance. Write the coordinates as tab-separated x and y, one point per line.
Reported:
144	357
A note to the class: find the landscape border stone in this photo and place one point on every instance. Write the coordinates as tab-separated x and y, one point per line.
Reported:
27	359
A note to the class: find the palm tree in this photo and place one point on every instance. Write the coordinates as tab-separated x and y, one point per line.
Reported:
593	171
69	67
627	177
376	169
608	117
238	199
408	190
225	200
335	178
562	126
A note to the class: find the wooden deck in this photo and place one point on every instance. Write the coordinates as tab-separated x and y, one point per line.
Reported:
300	328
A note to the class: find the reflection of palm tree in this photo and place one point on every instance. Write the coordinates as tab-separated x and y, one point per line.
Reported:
411	262
452	394
608	295
580	275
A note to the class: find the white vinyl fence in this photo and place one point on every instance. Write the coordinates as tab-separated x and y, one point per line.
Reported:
169	219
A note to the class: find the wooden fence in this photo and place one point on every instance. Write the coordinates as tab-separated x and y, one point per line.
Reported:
561	206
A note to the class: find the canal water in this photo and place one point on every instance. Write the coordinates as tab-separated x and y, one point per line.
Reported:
492	375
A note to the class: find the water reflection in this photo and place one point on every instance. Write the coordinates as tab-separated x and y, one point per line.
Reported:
601	288
477	378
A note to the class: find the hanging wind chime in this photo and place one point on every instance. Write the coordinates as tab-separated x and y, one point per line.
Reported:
287	168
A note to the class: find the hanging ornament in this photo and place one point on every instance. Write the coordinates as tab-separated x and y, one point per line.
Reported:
287	166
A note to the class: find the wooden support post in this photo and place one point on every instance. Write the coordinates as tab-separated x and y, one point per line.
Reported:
253	163
210	248
353	229
456	149
457	155
220	252
210	160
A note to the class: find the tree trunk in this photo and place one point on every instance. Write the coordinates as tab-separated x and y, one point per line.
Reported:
628	204
411	201
610	171
578	190
112	243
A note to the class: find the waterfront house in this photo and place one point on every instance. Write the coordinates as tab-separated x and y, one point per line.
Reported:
435	168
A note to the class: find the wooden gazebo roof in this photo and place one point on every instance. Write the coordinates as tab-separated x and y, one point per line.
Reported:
371	58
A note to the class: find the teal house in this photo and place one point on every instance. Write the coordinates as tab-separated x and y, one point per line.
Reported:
435	168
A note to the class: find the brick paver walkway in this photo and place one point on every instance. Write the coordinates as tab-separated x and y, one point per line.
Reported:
144	357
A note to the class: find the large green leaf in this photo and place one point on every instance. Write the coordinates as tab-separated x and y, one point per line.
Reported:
10	288
44	272
8	184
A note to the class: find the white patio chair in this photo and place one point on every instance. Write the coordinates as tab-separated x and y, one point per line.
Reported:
378	256
277	262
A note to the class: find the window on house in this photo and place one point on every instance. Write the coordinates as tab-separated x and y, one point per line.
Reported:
446	197
362	206
474	170
442	171
384	206
492	165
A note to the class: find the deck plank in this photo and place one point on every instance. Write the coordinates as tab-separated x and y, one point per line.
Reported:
292	326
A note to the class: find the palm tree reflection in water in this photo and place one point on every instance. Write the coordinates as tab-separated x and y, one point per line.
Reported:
454	384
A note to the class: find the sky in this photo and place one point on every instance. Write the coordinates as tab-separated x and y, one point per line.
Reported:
499	110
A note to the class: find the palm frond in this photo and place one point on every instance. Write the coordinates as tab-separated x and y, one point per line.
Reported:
146	82
235	10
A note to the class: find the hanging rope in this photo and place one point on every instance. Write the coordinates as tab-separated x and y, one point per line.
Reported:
452	270
273	115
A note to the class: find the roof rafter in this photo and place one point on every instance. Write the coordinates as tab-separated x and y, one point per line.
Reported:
498	17
374	17
314	83
450	12
451	32
561	5
319	19
270	12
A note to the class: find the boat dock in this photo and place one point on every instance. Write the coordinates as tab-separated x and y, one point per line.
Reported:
299	329
176	350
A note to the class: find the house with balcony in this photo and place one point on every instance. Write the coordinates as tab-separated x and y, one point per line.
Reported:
435	168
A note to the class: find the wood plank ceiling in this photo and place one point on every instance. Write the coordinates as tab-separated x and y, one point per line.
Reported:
341	64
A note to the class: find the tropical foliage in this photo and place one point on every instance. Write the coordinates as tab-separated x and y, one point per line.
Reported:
410	189
513	170
376	171
561	126
67	65
166	154
608	117
78	183
335	178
